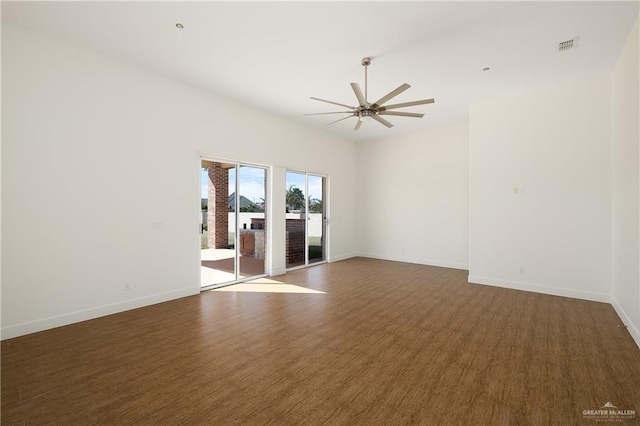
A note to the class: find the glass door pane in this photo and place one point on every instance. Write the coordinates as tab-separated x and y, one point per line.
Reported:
217	255
295	216
306	219
233	229
316	219
252	182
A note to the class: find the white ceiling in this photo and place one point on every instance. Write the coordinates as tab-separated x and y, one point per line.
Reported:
275	55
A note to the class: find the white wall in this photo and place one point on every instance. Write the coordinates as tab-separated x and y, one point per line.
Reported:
556	144
413	195
85	134
626	185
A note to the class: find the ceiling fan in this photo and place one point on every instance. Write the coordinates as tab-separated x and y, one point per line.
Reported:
376	109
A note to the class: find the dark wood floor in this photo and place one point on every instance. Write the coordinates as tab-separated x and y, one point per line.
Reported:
388	344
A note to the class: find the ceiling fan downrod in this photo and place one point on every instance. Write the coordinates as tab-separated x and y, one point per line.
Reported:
366	61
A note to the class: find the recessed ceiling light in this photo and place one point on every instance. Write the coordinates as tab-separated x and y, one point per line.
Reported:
486	69
179	25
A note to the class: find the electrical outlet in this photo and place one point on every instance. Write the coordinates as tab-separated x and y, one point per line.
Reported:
521	270
516	190
126	287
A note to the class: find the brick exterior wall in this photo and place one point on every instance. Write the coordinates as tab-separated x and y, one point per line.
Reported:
217	217
295	241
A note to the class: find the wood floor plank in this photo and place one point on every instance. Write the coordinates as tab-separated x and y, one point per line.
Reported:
385	343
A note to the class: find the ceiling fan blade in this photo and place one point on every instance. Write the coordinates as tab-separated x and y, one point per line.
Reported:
331	102
335	112
408	104
382	120
358	124
402	114
356	89
339	120
392	94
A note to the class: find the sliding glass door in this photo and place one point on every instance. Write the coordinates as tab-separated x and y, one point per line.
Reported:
251	223
316	220
233	230
306	219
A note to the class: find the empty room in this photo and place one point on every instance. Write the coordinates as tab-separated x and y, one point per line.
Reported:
301	213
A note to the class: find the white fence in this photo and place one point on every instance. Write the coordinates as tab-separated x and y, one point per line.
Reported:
314	223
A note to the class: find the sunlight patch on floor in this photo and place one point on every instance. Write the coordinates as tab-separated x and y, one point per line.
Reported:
266	285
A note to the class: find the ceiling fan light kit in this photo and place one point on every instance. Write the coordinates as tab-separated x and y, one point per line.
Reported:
376	109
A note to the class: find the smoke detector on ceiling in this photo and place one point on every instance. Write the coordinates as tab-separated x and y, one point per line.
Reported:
568	44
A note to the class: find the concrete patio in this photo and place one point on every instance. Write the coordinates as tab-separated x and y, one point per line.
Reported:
217	266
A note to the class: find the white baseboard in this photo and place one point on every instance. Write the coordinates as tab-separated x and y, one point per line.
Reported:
419	261
633	330
539	288
342	257
29	327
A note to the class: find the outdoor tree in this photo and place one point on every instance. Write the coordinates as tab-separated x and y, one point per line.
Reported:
251	208
295	198
315	205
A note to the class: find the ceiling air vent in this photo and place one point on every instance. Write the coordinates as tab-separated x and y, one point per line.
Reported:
568	44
